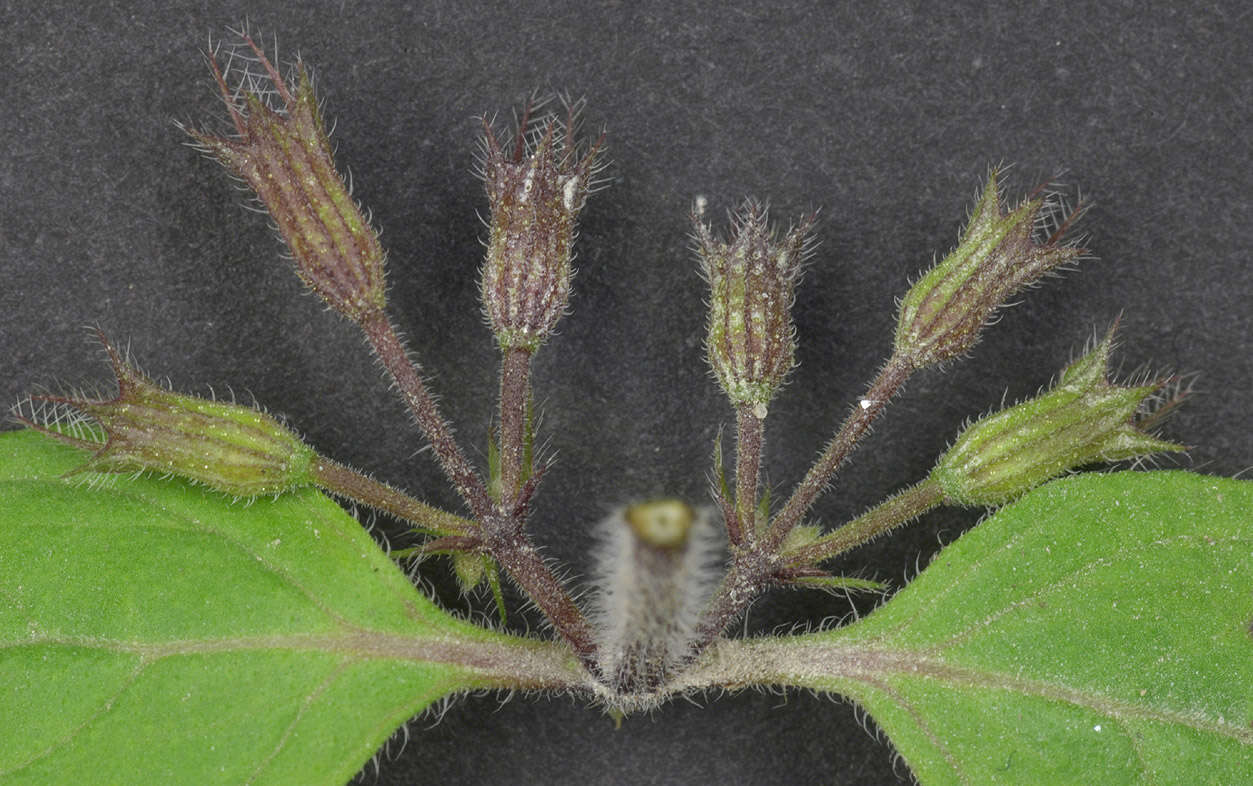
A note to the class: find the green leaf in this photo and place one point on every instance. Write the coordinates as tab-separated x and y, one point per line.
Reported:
1097	631
155	632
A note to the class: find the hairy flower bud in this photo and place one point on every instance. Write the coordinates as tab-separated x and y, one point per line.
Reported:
658	563
284	154
234	449
536	189
1081	420
942	315
751	341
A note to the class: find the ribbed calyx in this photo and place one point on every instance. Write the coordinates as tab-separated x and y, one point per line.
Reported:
284	154
941	317
231	448
751	340
1083	419
536	188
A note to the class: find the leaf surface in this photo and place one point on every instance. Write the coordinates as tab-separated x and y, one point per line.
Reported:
156	632
1096	631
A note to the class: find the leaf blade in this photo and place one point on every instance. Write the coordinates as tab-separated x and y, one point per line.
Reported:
1096	631
155	632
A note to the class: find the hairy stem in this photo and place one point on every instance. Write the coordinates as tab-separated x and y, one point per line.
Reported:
894	511
751	572
391	351
869	407
515	372
749	436
505	541
346	482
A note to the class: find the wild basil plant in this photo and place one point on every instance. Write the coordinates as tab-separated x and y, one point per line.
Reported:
198	612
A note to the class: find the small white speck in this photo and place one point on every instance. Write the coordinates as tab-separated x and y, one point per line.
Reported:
568	193
1097	727
699	204
865	403
528	184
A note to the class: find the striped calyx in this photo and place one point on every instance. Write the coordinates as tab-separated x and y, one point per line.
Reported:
536	187
283	152
234	449
751	341
942	315
1081	420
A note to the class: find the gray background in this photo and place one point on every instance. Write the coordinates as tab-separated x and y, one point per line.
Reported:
884	115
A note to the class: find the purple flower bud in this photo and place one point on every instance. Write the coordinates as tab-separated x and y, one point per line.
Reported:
536	188
751	340
284	154
942	315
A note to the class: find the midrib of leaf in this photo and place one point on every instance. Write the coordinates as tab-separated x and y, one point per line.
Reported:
843	667
550	667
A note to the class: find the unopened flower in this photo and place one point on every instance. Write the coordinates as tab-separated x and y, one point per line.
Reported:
751	340
536	188
942	315
284	154
1083	419
234	449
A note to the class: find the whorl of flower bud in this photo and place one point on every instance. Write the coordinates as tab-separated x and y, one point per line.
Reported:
536	187
751	341
1081	420
231	448
941	317
284	154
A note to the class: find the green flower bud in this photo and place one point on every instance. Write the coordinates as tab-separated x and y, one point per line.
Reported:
751	340
1083	419
941	316
536	190
284	154
231	448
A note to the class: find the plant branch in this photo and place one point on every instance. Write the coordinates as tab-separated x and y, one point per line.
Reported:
505	541
894	511
346	482
390	350
749	436
890	379
515	388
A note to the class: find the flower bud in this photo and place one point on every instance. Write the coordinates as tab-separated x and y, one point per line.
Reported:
657	568
234	449
942	315
751	341
1083	419
536	188
284	154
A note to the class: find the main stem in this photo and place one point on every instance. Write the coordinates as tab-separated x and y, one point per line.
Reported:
391	351
515	373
